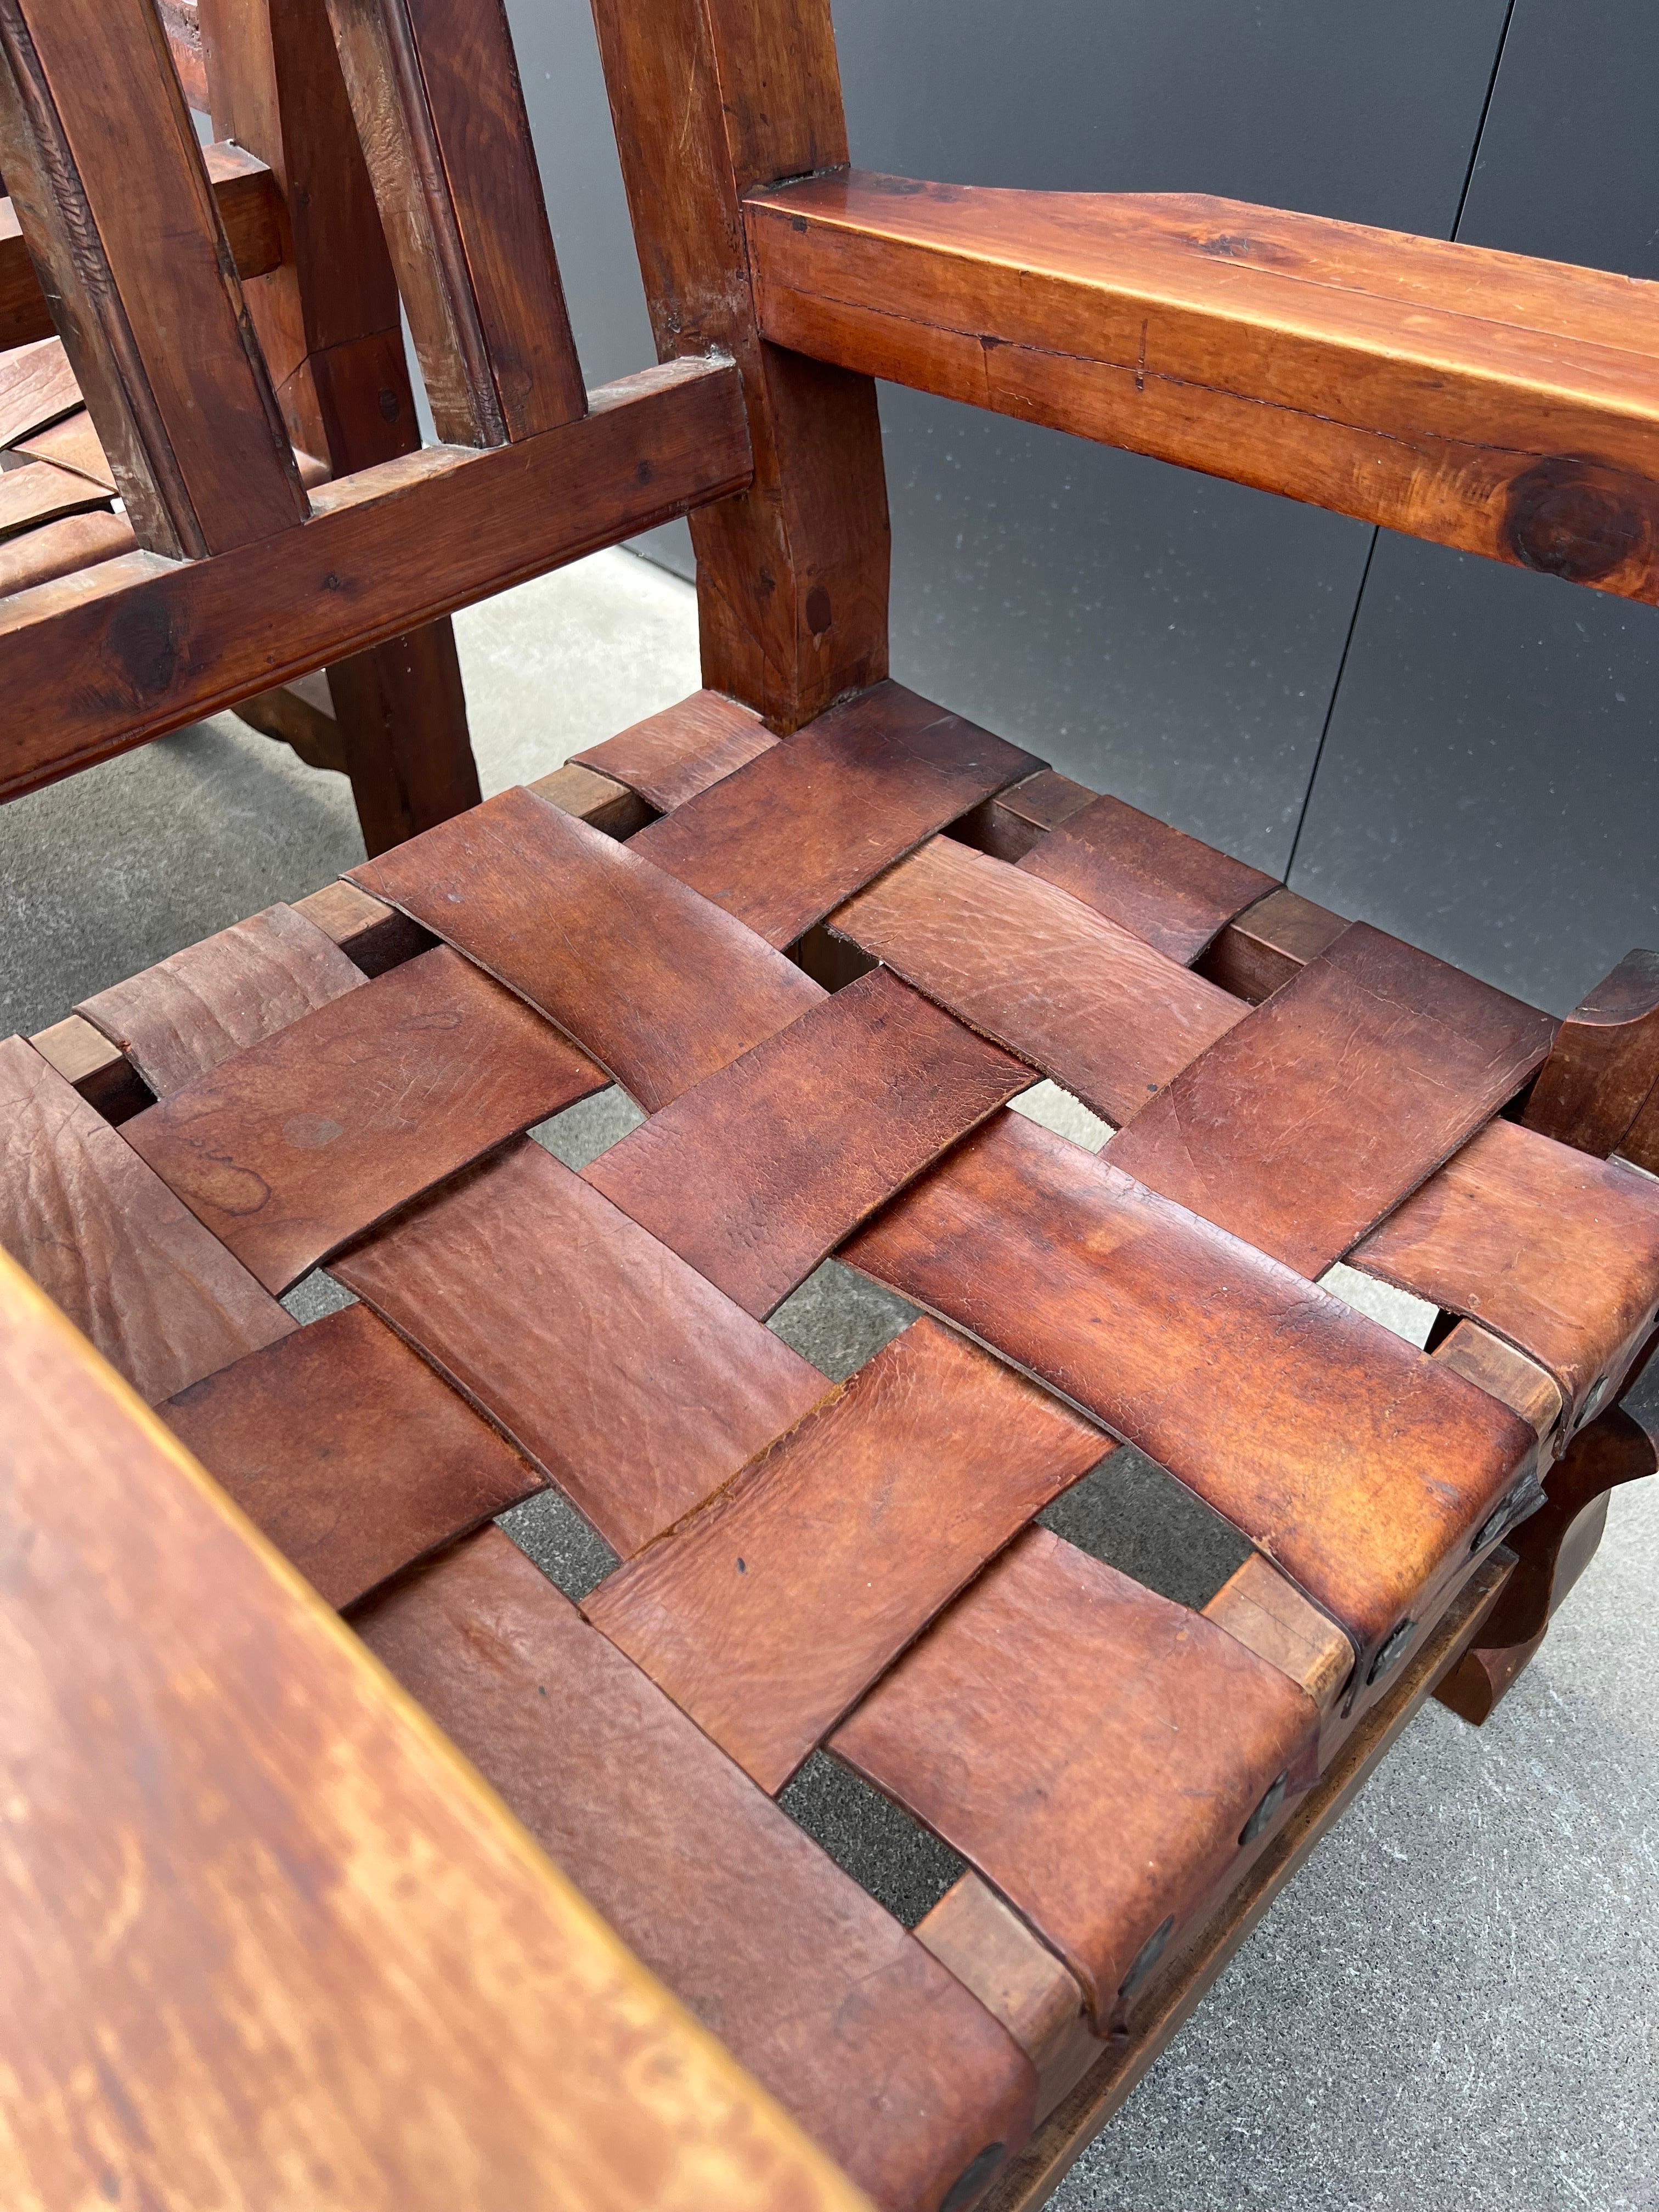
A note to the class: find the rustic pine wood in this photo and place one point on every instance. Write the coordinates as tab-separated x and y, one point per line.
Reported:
327	320
383	549
250	209
710	97
435	89
1506	406
128	231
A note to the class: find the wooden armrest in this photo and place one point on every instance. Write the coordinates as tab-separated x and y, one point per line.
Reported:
1504	406
250	208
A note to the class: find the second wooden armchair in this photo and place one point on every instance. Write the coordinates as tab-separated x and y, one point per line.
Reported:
822	933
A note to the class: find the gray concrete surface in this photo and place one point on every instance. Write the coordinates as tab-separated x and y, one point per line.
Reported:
1452	2008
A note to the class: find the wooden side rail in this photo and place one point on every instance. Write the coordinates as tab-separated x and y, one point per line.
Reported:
152	644
1504	406
250	208
321	1878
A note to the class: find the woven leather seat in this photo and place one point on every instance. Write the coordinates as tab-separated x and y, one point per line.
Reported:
800	1564
824	935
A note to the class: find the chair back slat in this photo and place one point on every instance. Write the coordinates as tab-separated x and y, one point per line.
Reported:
123	225
441	116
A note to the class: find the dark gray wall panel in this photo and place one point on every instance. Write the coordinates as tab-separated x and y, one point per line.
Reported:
1490	785
1164	636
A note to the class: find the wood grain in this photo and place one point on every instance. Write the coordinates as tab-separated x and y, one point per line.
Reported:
328	324
1361	1467
1270	1616
250	209
349	1452
229	1803
671	756
1314	1117
442	119
1270	943
1604	1064
899	2074
295	1146
709	97
992	1951
661	988
126	229
759	1172
1168	888
109	1244
1024	963
633	1384
1092	1749
158	646
201	1006
766	1615
1556	1250
1503	406
780	841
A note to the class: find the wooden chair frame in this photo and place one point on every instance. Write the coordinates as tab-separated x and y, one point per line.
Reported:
1505	407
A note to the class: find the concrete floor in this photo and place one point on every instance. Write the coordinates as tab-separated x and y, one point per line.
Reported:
1453	2008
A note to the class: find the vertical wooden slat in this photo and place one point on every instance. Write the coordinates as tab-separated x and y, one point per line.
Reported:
436	90
710	98
109	187
328	321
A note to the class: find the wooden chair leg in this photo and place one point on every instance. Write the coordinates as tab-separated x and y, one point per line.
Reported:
328	324
401	713
1553	1549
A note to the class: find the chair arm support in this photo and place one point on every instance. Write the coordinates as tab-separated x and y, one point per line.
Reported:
1502	406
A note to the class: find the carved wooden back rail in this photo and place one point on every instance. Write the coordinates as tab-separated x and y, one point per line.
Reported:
824	933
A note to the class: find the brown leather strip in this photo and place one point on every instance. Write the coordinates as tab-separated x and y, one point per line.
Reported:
301	1143
670	757
763	1170
1079	996
660	987
1095	1751
38	493
631	1381
1318	1112
884	2058
37	387
784	839
161	1299
768	1614
1166	886
1552	1248
1363	1467
349	1451
182	1017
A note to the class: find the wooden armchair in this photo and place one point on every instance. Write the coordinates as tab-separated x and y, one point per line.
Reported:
823	934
